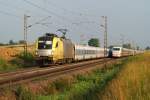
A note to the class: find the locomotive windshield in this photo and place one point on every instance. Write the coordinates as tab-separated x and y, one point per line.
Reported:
116	49
45	43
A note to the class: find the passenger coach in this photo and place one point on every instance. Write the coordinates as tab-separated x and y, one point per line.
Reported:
88	52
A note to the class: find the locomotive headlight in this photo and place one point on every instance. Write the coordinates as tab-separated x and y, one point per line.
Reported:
52	52
36	53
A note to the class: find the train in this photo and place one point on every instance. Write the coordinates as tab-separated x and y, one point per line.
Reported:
117	51
51	49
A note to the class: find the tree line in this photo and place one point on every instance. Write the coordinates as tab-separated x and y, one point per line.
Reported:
92	42
95	43
12	42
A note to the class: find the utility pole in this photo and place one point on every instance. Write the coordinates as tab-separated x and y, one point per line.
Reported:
25	34
104	26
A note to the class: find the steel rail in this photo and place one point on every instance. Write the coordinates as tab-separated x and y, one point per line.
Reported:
48	72
35	68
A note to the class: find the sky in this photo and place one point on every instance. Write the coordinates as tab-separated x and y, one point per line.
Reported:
128	20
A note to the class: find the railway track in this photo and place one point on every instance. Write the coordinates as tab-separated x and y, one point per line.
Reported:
13	78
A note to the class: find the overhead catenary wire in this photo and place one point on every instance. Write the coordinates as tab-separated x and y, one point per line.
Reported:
64	9
79	14
10	14
68	10
39	22
10	6
53	13
48	11
16	8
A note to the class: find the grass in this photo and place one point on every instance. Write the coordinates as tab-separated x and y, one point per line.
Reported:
23	94
21	61
132	83
5	67
27	57
80	87
127	80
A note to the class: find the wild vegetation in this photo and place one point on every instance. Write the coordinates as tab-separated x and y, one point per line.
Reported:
132	83
20	61
76	87
127	80
5	66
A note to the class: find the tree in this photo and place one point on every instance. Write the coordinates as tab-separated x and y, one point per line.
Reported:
22	42
1	44
137	48
147	48
11	42
94	42
128	46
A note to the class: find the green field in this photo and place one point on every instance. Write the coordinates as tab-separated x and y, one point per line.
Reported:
126	80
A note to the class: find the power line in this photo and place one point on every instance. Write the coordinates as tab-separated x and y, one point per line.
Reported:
10	6
48	11
61	8
62	17
39	22
70	11
16	8
10	14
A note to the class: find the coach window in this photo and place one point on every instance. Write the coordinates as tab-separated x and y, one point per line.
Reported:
82	51
79	52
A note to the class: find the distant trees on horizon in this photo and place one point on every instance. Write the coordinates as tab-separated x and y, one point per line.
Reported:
12	42
147	48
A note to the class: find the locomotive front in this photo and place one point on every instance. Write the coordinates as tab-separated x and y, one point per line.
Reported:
44	51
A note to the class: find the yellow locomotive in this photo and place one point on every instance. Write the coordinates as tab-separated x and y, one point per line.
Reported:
53	49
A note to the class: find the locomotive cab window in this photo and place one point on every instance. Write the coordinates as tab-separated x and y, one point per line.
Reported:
45	43
116	49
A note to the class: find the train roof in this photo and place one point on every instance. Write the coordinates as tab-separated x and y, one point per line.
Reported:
87	47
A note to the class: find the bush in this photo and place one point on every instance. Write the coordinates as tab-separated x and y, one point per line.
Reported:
3	64
27	57
6	66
